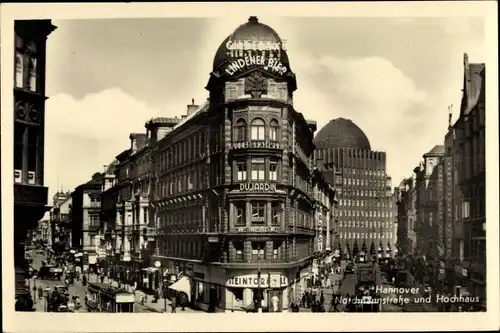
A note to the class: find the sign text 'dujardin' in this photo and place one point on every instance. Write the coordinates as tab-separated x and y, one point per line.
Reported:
257	187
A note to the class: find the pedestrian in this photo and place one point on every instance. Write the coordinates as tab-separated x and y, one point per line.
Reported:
142	299
321	298
102	278
84	280
173	304
40	292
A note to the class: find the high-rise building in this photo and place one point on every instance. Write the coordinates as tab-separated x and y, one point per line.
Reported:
232	194
366	203
30	194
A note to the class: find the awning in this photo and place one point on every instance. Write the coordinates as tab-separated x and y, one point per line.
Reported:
183	285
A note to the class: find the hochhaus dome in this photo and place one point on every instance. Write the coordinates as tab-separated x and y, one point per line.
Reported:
341	133
252	30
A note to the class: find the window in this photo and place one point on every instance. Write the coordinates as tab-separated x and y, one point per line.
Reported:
240	214
277	250
190	181
19	70
258	250
273	130
240	130
258	212
242	171
18	145
273	171
32	70
276	213
32	149
258	129
258	167
238	247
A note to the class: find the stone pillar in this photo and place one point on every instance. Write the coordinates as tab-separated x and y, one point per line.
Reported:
269	250
232	216
282	216
248	213
247	251
269	214
294	248
232	252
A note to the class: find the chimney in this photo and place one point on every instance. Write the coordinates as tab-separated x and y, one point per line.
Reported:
192	107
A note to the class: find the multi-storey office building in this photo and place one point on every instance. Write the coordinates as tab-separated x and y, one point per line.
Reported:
30	195
85	220
365	194
233	181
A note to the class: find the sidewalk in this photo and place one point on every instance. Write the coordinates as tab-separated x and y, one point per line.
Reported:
159	306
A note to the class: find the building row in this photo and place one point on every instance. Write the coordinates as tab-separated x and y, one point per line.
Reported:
441	207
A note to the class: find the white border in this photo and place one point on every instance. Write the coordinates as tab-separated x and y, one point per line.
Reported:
36	322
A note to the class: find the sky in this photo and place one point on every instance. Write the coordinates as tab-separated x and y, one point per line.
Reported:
393	77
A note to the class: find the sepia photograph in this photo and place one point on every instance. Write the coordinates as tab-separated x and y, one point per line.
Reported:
195	162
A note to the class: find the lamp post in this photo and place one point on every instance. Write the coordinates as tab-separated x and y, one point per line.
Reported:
259	291
46	299
162	285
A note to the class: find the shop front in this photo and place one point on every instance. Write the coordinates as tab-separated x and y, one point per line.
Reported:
244	290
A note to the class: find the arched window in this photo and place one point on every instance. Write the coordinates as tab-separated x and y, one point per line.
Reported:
240	133
273	130
258	129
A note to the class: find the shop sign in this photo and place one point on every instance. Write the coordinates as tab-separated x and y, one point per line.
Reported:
252	281
258	229
257	187
237	45
252	59
256	144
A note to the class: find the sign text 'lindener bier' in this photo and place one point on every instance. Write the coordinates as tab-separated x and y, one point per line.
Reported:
248	54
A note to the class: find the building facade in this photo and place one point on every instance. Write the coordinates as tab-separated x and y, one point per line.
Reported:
466	145
85	219
60	220
365	212
406	216
449	195
233	181
30	194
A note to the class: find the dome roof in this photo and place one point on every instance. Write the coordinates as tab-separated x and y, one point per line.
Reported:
252	30
341	133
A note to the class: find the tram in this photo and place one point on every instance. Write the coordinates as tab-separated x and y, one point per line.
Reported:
102	297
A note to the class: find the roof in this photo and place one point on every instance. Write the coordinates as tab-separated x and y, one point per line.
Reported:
341	133
107	288
252	30
437	150
474	85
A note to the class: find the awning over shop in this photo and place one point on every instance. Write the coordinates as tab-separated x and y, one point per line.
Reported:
183	285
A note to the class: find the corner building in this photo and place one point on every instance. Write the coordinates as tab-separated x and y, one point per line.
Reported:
366	204
232	194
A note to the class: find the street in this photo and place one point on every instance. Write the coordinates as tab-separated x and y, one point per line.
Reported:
77	289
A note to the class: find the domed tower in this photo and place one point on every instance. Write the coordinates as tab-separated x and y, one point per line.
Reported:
365	214
252	61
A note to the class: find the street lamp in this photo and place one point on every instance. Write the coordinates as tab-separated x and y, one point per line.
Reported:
162	284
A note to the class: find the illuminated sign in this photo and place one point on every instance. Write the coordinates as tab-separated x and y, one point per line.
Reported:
256	144
236	45
261	59
252	281
258	229
257	187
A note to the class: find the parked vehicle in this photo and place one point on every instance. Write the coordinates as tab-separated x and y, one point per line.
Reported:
103	297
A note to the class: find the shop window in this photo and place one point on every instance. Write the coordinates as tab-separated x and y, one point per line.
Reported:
273	171
258	167
240	213
258	212
240	130
258	129
276	212
238	293
242	171
273	130
258	251
238	246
